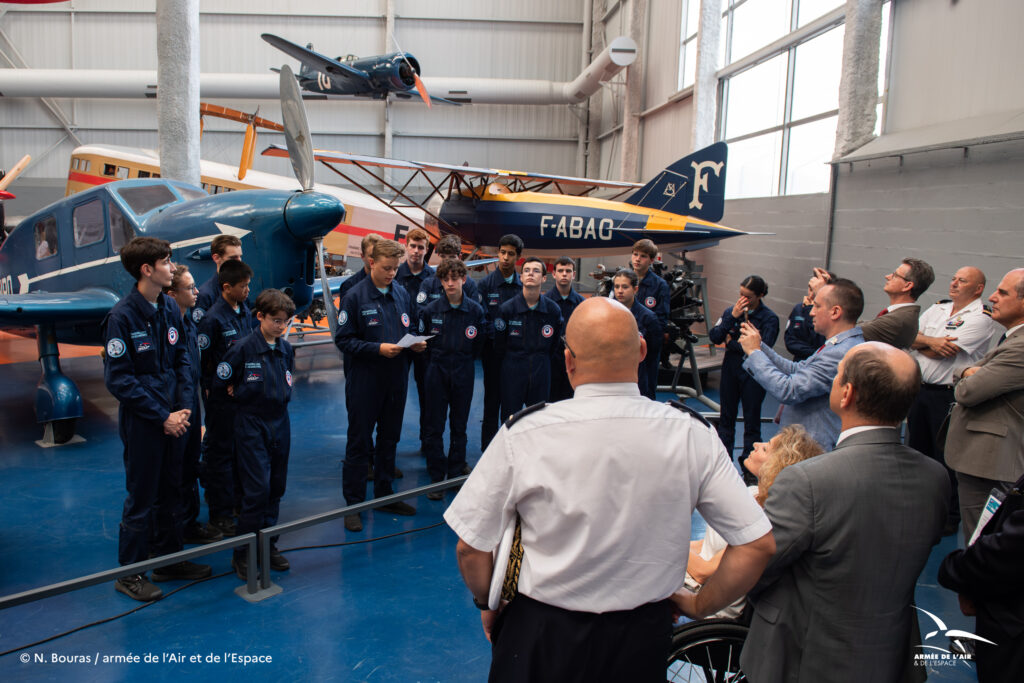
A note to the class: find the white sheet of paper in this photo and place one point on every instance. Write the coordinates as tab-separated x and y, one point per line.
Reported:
410	339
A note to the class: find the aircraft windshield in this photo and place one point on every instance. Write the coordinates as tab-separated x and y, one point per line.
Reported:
144	199
189	194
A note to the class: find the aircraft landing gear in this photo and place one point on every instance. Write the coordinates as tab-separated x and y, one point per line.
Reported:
58	402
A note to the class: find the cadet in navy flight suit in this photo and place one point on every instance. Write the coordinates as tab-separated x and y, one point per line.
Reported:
366	247
411	275
147	371
500	285
448	247
374	316
567	299
801	339
624	287
737	385
223	248
458	326
654	294
527	334
256	373
183	291
226	323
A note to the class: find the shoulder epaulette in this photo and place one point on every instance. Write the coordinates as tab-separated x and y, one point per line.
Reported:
945	301
524	412
986	309
687	409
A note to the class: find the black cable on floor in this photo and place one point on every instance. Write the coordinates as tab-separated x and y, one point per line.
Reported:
208	578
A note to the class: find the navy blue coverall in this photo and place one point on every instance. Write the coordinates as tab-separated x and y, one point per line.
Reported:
560	387
458	336
431	290
146	368
262	381
208	294
494	291
219	330
375	386
412	284
801	339
654	294
190	444
525	340
737	386
351	282
649	327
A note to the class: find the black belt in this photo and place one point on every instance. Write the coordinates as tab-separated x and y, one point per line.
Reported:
937	387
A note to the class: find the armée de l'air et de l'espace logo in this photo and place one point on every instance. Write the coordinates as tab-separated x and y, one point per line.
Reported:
934	655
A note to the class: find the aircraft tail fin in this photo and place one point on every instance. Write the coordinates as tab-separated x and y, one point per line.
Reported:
692	186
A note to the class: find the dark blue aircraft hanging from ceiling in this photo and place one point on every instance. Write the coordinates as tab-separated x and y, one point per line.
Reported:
397	73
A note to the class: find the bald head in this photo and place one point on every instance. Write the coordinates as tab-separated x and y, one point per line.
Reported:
604	343
880	383
967	284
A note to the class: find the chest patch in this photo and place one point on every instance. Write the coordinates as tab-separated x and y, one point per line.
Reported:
288	377
547	331
405	319
172	335
421	297
224	370
115	348
650	302
197	314
471	332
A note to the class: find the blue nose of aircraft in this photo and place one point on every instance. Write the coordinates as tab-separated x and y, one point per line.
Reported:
309	215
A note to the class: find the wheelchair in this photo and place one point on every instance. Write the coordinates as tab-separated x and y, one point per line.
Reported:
707	651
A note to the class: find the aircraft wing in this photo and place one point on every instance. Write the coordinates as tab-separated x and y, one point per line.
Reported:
315	59
22	310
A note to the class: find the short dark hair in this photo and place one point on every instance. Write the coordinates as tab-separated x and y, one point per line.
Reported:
511	240
756	284
180	271
881	394
646	246
450	267
564	261
142	251
233	272
449	245
634	279
848	296
221	243
534	259
921	274
271	301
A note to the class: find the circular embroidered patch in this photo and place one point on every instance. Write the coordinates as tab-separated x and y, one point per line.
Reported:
288	377
405	319
204	341
342	318
547	331
197	314
499	324
224	370
172	335
115	348
649	302
421	297
471	332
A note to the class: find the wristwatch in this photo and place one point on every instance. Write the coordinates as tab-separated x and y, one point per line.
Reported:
481	605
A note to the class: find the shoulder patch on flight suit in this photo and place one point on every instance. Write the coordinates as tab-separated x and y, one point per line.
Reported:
524	412
687	409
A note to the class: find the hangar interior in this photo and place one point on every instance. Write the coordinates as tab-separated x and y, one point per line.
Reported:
860	132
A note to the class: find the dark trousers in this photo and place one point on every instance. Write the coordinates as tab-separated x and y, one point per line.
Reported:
492	396
525	380
263	445
739	388
651	362
451	393
419	373
536	642
152	469
219	459
191	446
374	400
923	421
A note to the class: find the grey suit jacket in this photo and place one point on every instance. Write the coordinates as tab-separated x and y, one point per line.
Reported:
986	429
898	328
853	530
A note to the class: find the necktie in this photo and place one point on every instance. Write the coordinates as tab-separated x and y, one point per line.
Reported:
1001	339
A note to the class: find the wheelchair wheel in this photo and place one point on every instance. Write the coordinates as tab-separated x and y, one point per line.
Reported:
707	651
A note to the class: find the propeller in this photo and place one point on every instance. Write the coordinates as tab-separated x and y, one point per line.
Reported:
420	87
248	149
296	129
6	180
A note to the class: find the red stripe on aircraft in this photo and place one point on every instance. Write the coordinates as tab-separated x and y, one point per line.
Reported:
77	177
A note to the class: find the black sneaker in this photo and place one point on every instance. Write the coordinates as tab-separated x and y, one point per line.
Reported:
240	563
278	562
435	495
398	508
201	534
353	522
182	571
138	587
225	525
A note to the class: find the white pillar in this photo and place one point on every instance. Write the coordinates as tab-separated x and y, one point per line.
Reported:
705	85
634	104
177	104
858	84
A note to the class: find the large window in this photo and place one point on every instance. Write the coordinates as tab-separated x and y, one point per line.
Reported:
688	43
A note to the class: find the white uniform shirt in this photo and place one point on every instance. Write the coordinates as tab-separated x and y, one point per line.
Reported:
605	484
973	329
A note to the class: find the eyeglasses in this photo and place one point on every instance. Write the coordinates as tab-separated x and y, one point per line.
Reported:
568	347
899	275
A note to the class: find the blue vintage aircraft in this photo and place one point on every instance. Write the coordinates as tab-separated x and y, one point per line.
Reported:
60	272
397	73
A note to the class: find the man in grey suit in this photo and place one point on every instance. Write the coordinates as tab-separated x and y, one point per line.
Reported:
897	323
853	530
985	442
803	386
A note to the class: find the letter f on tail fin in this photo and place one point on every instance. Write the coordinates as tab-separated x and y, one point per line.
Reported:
692	186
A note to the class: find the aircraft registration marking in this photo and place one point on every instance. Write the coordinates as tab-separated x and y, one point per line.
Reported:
578	227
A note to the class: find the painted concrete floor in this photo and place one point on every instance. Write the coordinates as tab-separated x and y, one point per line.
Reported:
392	609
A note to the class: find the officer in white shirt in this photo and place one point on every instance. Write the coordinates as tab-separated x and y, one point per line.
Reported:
952	335
603	486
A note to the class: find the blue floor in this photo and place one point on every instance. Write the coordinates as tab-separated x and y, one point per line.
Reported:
393	609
